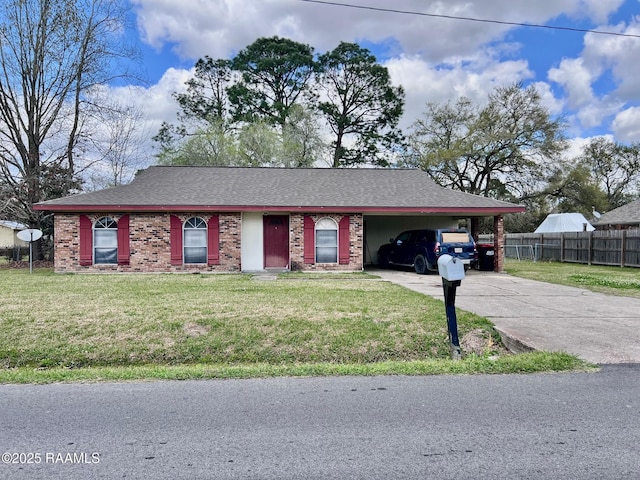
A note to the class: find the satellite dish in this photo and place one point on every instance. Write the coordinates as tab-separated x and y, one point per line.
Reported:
30	235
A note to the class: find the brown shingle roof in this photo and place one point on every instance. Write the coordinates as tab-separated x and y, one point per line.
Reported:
628	214
233	188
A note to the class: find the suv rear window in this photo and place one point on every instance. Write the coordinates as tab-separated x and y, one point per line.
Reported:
455	237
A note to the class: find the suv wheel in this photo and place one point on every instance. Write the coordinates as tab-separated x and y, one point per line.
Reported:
420	264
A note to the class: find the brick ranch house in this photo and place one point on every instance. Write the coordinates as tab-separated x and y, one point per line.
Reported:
230	219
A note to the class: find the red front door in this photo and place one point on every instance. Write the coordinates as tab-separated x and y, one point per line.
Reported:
276	241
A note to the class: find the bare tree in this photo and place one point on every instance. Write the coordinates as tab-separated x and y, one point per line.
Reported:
52	52
118	145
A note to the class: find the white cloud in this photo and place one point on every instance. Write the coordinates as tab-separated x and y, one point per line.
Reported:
619	54
598	10
194	28
219	28
425	83
576	78
554	105
605	76
576	145
158	102
626	125
596	113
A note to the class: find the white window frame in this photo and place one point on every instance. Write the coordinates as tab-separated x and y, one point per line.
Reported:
194	224
107	229
326	224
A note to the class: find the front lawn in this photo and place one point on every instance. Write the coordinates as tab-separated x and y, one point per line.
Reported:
597	278
312	323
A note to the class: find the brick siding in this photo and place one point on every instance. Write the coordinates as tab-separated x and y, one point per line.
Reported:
150	233
356	243
149	240
498	244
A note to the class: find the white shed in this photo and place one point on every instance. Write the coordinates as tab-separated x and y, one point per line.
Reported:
564	222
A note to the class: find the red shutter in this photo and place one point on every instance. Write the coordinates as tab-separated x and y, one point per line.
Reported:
123	240
86	241
176	240
213	240
309	240
343	241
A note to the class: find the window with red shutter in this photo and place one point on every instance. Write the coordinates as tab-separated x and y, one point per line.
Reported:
176	240
213	240
86	241
344	240
309	240
123	240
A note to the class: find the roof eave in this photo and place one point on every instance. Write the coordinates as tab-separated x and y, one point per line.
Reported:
278	208
613	222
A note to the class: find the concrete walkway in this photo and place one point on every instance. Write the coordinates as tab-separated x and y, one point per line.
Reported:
533	315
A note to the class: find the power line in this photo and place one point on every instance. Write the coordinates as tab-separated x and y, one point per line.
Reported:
471	19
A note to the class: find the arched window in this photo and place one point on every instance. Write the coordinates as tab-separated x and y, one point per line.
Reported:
105	240
326	241
195	240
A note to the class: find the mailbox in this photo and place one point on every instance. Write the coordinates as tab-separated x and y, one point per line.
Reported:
450	268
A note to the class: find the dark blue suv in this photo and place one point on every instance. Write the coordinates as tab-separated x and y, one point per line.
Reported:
421	249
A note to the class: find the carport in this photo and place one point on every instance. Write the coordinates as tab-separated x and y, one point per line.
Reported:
380	227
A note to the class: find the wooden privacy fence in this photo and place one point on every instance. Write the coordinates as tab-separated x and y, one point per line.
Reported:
607	247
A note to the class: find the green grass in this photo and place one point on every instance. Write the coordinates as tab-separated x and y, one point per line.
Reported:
597	278
121	327
534	362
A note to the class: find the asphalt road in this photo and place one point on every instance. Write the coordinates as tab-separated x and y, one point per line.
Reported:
569	426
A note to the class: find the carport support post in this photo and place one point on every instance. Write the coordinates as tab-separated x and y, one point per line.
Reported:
452	321
475	228
498	243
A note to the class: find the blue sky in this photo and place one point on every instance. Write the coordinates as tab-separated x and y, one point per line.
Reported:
592	80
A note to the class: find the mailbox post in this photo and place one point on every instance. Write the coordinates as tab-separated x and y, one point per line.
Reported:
451	269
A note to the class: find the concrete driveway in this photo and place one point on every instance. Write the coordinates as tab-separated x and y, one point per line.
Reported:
533	315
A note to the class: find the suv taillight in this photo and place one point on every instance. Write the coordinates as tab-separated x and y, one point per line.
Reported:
436	248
